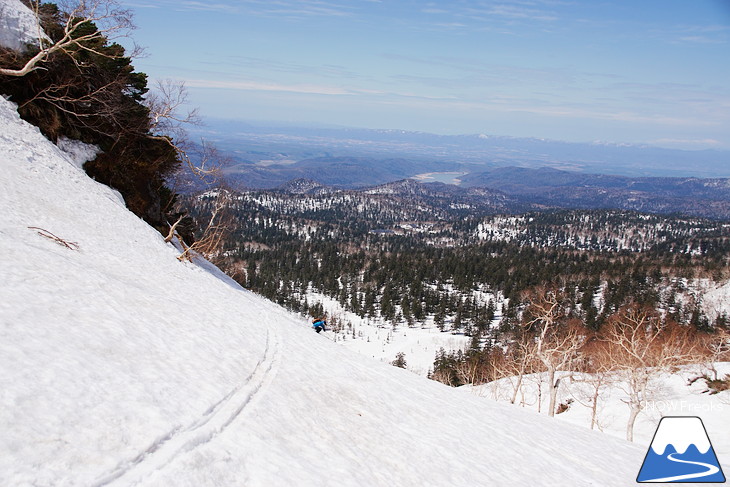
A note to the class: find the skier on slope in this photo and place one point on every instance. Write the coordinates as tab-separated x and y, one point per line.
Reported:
319	324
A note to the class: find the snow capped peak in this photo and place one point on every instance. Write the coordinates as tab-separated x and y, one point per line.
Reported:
680	432
18	25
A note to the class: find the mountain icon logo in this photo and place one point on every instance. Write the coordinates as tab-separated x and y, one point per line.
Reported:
681	452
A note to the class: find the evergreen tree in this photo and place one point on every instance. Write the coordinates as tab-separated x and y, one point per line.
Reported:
400	360
89	91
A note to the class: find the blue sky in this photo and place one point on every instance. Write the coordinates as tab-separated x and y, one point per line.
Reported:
638	71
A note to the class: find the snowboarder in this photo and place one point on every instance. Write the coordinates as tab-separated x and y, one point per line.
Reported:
319	325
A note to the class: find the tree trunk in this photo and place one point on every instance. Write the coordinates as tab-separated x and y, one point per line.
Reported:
594	407
517	388
553	391
635	410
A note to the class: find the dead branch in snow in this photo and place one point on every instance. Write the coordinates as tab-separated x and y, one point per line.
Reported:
45	233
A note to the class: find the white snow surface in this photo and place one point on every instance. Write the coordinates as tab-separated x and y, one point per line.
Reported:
18	25
715	297
78	152
672	394
120	365
379	340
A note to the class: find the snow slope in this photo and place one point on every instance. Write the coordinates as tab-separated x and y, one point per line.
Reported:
18	26
672	394
378	339
120	365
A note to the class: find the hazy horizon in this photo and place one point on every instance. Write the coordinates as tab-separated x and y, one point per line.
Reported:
207	124
651	72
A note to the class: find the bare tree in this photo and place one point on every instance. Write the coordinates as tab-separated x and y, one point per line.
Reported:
471	371
596	374
443	376
110	19
715	348
169	116
517	361
641	347
557	341
213	233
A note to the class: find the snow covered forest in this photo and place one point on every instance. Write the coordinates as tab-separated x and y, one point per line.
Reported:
128	358
473	300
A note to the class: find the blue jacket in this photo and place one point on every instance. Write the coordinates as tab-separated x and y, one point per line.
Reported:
317	323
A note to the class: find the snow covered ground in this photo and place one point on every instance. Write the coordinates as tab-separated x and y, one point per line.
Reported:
713	297
377	339
674	394
120	365
18	26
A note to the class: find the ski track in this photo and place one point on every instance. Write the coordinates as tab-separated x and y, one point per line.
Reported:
711	470
215	419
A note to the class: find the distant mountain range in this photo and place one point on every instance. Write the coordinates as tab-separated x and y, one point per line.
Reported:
692	196
517	190
527	173
250	144
343	172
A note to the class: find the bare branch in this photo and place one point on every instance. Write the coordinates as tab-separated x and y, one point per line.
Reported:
557	341
173	229
45	233
166	104
216	230
111	20
641	347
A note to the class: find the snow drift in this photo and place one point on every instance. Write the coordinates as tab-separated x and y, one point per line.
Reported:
18	26
120	365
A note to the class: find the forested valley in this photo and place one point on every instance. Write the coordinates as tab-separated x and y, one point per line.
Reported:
508	282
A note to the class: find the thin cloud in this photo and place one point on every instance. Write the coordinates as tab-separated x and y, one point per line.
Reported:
516	12
260	86
366	94
289	9
436	11
142	5
695	34
298	9
269	65
701	40
217	7
686	142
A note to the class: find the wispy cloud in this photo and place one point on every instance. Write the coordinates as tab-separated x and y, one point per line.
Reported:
216	7
514	11
142	5
695	34
683	143
310	89
471	72
280	8
700	40
264	86
493	103
256	64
